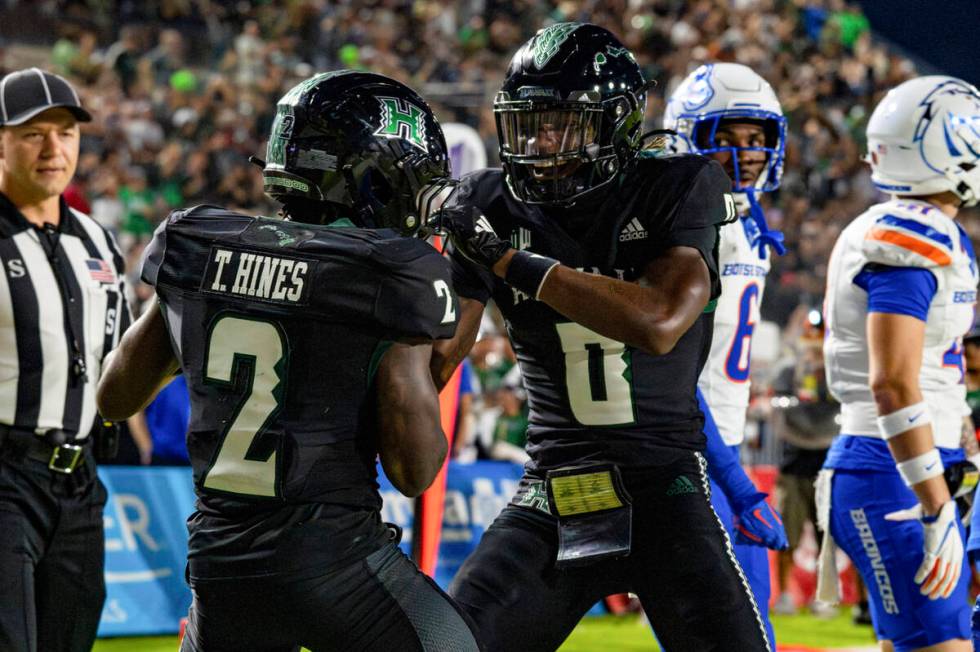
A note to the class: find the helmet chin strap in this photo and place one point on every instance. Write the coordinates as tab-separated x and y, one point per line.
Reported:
766	237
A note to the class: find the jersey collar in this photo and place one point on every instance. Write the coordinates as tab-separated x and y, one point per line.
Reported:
12	221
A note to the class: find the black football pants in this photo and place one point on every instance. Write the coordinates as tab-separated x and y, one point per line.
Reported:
51	557
681	566
380	603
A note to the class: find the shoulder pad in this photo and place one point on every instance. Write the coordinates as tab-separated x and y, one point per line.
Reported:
415	297
906	241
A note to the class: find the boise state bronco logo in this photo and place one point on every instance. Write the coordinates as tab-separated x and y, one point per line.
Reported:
401	119
700	91
960	127
548	40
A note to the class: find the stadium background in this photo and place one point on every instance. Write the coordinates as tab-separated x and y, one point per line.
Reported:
182	91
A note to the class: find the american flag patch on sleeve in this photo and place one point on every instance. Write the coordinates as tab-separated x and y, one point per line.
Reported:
100	270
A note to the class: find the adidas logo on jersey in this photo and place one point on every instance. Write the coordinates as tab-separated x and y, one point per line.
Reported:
681	485
633	231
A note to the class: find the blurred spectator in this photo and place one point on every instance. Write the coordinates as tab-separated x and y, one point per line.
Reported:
510	431
805	417
463	450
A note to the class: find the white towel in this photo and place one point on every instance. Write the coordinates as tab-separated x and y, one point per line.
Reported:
827	580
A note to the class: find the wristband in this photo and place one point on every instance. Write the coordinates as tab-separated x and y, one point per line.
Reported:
920	468
899	421
527	272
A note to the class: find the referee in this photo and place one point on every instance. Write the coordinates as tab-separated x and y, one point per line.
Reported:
62	308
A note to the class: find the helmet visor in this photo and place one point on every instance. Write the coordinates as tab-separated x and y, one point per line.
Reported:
548	135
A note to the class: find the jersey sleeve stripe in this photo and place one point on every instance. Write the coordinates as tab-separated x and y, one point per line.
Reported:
918	228
911	243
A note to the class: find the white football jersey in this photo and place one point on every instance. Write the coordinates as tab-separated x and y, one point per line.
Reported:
724	382
901	233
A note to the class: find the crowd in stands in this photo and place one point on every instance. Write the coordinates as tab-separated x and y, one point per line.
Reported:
183	90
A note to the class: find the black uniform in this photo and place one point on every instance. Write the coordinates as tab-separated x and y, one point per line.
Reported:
62	309
279	327
594	400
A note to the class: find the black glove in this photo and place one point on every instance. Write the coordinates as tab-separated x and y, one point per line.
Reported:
473	236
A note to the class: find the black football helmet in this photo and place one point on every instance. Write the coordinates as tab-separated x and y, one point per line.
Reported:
569	113
356	144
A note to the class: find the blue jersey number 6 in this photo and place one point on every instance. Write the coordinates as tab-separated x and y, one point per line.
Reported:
737	362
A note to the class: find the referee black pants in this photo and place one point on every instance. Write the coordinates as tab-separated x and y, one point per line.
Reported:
51	557
681	566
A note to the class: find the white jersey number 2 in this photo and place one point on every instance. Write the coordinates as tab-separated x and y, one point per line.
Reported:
246	463
596	371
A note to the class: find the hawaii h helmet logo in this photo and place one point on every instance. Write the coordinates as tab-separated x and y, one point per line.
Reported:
402	119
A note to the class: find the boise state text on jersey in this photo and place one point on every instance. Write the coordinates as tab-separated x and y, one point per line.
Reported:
725	380
589	395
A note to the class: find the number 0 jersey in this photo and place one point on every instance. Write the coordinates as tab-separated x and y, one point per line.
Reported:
725	379
279	327
590	397
901	233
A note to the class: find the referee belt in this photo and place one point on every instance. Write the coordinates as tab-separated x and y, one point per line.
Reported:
64	458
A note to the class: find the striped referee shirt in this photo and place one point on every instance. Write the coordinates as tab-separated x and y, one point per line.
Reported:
62	300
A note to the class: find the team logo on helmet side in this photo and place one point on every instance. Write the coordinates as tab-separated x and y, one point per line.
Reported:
402	119
548	41
955	127
700	91
601	59
961	129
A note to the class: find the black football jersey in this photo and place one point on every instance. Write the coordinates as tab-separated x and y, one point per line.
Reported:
279	327
590	397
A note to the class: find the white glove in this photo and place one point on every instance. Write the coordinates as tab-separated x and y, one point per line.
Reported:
943	547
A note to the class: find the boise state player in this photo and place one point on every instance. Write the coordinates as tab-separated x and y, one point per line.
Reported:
901	289
606	267
306	344
727	112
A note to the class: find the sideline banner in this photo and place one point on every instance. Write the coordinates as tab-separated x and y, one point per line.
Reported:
475	494
145	549
146	536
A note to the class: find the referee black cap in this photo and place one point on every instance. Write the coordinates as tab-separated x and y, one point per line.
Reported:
26	93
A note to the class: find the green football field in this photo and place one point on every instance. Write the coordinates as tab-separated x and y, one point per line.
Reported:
626	633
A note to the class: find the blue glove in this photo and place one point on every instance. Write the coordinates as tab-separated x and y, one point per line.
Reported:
764	529
760	525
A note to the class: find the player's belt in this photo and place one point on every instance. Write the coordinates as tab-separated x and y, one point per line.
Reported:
594	512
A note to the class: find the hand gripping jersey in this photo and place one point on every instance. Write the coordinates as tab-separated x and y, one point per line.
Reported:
725	379
279	327
591	397
901	233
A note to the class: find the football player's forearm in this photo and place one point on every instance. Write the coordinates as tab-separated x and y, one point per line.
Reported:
412	446
137	369
932	493
894	380
651	319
